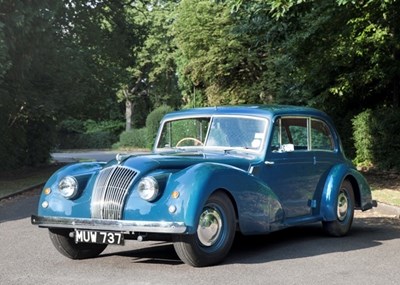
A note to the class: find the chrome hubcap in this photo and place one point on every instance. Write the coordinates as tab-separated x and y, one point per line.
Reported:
209	228
343	205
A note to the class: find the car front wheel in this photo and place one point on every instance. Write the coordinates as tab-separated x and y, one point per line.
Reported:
344	212
67	246
214	236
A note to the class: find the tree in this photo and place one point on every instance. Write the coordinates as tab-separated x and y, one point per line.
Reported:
341	56
26	81
214	60
151	81
337	54
59	59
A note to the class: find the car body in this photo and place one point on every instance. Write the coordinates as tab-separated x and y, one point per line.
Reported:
212	172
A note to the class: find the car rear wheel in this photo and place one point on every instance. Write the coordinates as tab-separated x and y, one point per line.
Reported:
67	246
214	236
344	212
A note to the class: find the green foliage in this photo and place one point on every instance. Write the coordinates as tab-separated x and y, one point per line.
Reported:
153	121
144	137
340	56
135	138
77	134
111	126
363	138
377	138
4	58
217	65
58	59
72	126
151	80
97	140
27	74
69	59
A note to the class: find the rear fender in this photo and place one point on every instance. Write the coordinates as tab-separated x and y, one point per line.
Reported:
336	176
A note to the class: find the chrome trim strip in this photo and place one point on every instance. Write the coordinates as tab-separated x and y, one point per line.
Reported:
109	225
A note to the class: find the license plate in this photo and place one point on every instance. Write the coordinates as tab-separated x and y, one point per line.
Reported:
85	236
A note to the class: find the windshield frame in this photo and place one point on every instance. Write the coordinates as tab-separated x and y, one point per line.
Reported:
211	118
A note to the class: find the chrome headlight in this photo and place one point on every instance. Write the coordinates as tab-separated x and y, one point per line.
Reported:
68	187
148	188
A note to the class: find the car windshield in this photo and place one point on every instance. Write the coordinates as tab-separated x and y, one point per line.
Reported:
226	132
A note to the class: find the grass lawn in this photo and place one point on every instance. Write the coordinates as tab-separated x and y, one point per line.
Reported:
387	196
385	186
14	181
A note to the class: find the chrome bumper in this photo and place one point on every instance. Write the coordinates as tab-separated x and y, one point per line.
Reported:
109	225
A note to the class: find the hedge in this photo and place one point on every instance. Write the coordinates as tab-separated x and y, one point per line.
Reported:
377	138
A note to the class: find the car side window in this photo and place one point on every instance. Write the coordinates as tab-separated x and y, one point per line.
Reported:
290	134
301	134
321	136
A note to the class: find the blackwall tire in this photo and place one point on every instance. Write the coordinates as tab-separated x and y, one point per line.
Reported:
344	206
214	236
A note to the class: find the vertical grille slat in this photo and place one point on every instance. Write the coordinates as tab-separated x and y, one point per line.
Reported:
109	192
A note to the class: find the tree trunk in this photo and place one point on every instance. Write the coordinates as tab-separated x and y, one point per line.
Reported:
396	83
396	93
396	55
129	105
128	114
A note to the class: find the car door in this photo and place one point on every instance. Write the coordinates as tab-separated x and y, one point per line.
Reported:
290	166
324	145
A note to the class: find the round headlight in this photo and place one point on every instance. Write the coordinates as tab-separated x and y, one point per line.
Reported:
68	187
148	188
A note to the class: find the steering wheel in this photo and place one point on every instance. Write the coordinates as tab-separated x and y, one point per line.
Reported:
189	139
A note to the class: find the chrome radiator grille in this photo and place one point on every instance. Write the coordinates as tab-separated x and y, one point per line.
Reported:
109	192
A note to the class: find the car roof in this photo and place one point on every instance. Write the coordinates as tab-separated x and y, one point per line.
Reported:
266	111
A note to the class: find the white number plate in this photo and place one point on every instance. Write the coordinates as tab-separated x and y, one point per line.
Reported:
85	236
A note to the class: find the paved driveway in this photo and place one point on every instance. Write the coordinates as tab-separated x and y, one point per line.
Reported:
301	255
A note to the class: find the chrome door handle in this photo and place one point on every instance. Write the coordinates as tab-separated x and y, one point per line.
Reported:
269	162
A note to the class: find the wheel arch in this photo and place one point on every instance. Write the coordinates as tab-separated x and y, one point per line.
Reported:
356	189
336	176
233	202
255	205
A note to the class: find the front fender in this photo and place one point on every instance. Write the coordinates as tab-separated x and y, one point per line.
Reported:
57	204
336	176
256	205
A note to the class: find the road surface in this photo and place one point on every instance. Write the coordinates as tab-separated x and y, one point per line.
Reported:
302	255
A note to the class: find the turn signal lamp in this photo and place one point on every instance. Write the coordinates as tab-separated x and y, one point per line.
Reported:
175	195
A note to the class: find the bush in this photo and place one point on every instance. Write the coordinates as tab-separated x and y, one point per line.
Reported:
86	141
115	127
144	137
377	138
40	138
77	134
133	138
153	121
72	126
363	138
27	141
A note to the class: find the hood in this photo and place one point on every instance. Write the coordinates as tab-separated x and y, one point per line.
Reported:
181	160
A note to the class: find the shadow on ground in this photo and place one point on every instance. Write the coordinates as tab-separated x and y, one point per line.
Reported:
292	243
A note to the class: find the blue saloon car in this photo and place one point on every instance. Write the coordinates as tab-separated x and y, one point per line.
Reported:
212	172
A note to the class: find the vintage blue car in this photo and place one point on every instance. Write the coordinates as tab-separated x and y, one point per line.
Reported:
213	172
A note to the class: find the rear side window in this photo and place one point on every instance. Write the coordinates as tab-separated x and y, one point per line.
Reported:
301	134
321	136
